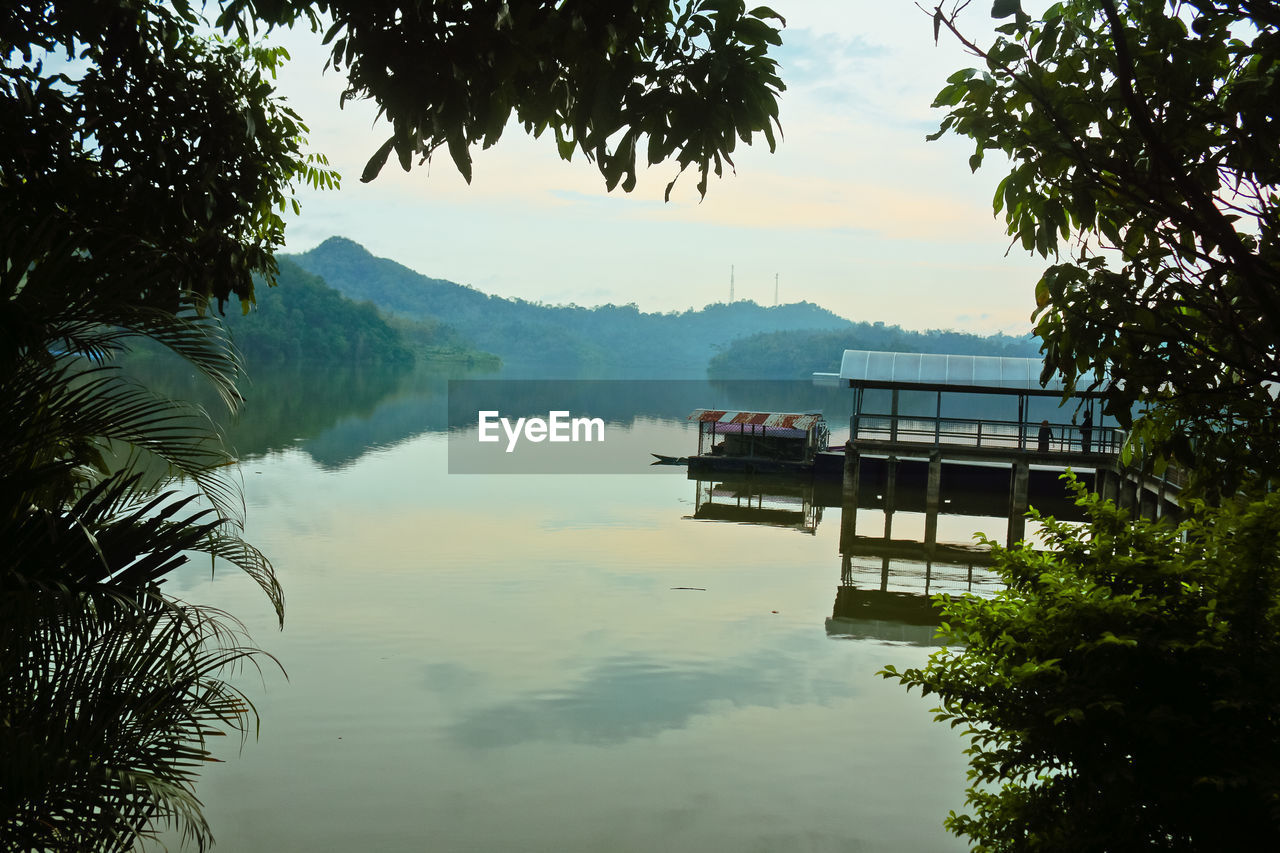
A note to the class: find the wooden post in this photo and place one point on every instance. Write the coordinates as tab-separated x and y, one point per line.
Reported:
1128	492
932	505
849	498
1022	417
932	495
890	496
855	419
937	422
1021	476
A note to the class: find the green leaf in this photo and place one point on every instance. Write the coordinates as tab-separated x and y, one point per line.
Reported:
1006	8
377	161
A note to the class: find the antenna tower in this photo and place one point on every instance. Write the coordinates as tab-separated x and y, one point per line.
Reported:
730	284
775	290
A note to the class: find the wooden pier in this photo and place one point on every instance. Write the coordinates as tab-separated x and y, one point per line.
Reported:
896	432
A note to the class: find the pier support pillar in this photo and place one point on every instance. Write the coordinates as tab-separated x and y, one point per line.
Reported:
890	494
1147	501
1109	490
932	505
1021	477
1128	493
849	497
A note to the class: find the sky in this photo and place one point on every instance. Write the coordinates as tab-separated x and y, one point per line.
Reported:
855	211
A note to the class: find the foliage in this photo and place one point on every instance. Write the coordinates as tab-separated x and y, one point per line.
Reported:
307	322
108	687
1143	133
131	141
109	748
621	81
1121	692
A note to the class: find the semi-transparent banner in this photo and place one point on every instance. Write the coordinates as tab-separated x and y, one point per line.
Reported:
603	426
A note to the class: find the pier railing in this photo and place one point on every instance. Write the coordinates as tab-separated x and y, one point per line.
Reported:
984	432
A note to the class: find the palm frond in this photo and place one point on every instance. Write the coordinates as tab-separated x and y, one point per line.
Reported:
107	721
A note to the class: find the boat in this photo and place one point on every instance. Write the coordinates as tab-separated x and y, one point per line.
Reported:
758	442
669	460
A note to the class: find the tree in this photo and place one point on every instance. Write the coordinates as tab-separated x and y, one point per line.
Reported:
1144	135
685	79
108	686
1120	693
144	164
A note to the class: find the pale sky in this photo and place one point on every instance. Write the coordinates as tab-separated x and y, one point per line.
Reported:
855	211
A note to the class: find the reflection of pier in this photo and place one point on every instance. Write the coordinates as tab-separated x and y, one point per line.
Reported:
773	501
886	583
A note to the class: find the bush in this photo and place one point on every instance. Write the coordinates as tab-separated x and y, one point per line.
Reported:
1123	692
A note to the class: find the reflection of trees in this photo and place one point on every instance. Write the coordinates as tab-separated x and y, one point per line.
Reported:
292	405
284	405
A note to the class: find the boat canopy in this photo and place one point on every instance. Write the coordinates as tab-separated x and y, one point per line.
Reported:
997	374
771	420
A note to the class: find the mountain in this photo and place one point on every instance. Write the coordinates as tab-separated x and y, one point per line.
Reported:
526	333
305	321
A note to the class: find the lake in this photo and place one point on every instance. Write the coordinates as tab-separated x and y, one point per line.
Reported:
560	662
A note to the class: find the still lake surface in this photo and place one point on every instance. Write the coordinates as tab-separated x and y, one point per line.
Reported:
508	662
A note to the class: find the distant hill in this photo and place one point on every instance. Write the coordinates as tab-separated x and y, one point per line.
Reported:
798	354
304	321
528	333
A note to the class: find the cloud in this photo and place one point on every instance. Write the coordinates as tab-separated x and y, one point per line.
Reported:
624	698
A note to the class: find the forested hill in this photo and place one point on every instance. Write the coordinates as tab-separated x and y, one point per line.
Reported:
303	321
797	355
528	333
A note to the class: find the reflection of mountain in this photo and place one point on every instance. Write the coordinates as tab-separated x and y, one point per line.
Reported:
416	405
335	414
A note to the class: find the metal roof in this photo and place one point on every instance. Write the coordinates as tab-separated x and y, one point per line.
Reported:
785	420
934	371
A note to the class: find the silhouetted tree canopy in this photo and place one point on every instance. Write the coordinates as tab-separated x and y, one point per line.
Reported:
131	139
1145	162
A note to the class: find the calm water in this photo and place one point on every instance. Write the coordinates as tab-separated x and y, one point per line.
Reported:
498	663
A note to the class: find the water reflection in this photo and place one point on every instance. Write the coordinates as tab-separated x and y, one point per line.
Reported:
507	662
335	415
888	576
887	581
789	502
625	698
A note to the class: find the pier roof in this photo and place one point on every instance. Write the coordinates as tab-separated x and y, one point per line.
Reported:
984	373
